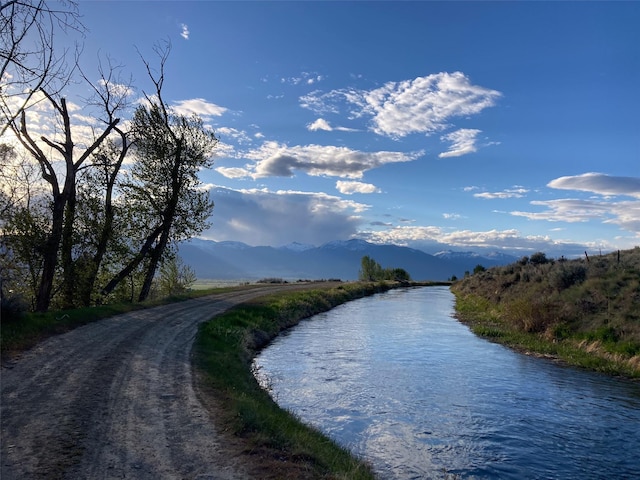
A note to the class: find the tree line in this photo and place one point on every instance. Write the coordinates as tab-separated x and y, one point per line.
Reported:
91	205
372	271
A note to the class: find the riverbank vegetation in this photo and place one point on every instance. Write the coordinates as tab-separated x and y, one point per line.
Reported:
224	351
585	312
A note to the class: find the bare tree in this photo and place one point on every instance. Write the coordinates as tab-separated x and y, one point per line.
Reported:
28	60
49	153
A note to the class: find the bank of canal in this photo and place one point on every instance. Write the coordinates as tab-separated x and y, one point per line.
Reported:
396	379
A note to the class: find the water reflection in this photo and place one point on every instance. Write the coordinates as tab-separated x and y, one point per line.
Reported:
395	378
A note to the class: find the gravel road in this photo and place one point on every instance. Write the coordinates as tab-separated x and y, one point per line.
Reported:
117	399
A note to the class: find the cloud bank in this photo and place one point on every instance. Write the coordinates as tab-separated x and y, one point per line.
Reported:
431	238
264	217
625	214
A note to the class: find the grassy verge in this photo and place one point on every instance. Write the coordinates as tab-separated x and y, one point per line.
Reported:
487	320
224	351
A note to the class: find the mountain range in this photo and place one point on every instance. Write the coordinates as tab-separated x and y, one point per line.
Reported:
336	260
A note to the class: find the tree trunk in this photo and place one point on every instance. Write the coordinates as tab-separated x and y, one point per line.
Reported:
69	279
133	264
50	255
156	255
168	216
93	266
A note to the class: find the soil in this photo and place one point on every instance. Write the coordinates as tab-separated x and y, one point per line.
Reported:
119	399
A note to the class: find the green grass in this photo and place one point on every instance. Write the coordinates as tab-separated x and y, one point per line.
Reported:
224	350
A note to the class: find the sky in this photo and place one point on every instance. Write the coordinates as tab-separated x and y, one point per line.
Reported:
470	126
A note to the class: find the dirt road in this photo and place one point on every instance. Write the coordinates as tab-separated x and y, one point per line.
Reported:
116	399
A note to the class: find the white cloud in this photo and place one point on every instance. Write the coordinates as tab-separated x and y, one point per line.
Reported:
319	124
599	183
515	192
198	106
44	121
322	124
306	78
569	210
240	136
278	160
423	105
184	31
265	217
349	188
463	141
233	172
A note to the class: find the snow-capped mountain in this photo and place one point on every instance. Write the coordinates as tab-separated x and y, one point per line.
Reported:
297	247
499	257
337	259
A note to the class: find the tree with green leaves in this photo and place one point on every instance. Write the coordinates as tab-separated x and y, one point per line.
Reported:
175	276
371	271
163	190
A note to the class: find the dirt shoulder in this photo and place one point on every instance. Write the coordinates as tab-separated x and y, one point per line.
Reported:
118	399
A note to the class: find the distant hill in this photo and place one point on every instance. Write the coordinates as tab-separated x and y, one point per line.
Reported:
338	259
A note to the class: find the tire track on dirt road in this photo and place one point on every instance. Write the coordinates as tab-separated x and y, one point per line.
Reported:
116	399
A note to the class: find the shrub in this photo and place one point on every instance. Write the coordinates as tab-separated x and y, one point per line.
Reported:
567	275
12	308
478	268
530	315
604	334
538	258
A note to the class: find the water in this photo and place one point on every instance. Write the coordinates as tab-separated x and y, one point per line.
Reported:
402	384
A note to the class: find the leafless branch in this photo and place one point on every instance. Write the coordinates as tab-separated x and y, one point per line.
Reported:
28	60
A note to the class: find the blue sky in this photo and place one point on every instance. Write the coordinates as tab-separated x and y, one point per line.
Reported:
484	125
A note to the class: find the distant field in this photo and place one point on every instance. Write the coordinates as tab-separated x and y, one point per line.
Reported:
207	283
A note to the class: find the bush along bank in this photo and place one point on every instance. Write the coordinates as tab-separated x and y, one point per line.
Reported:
585	312
224	351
